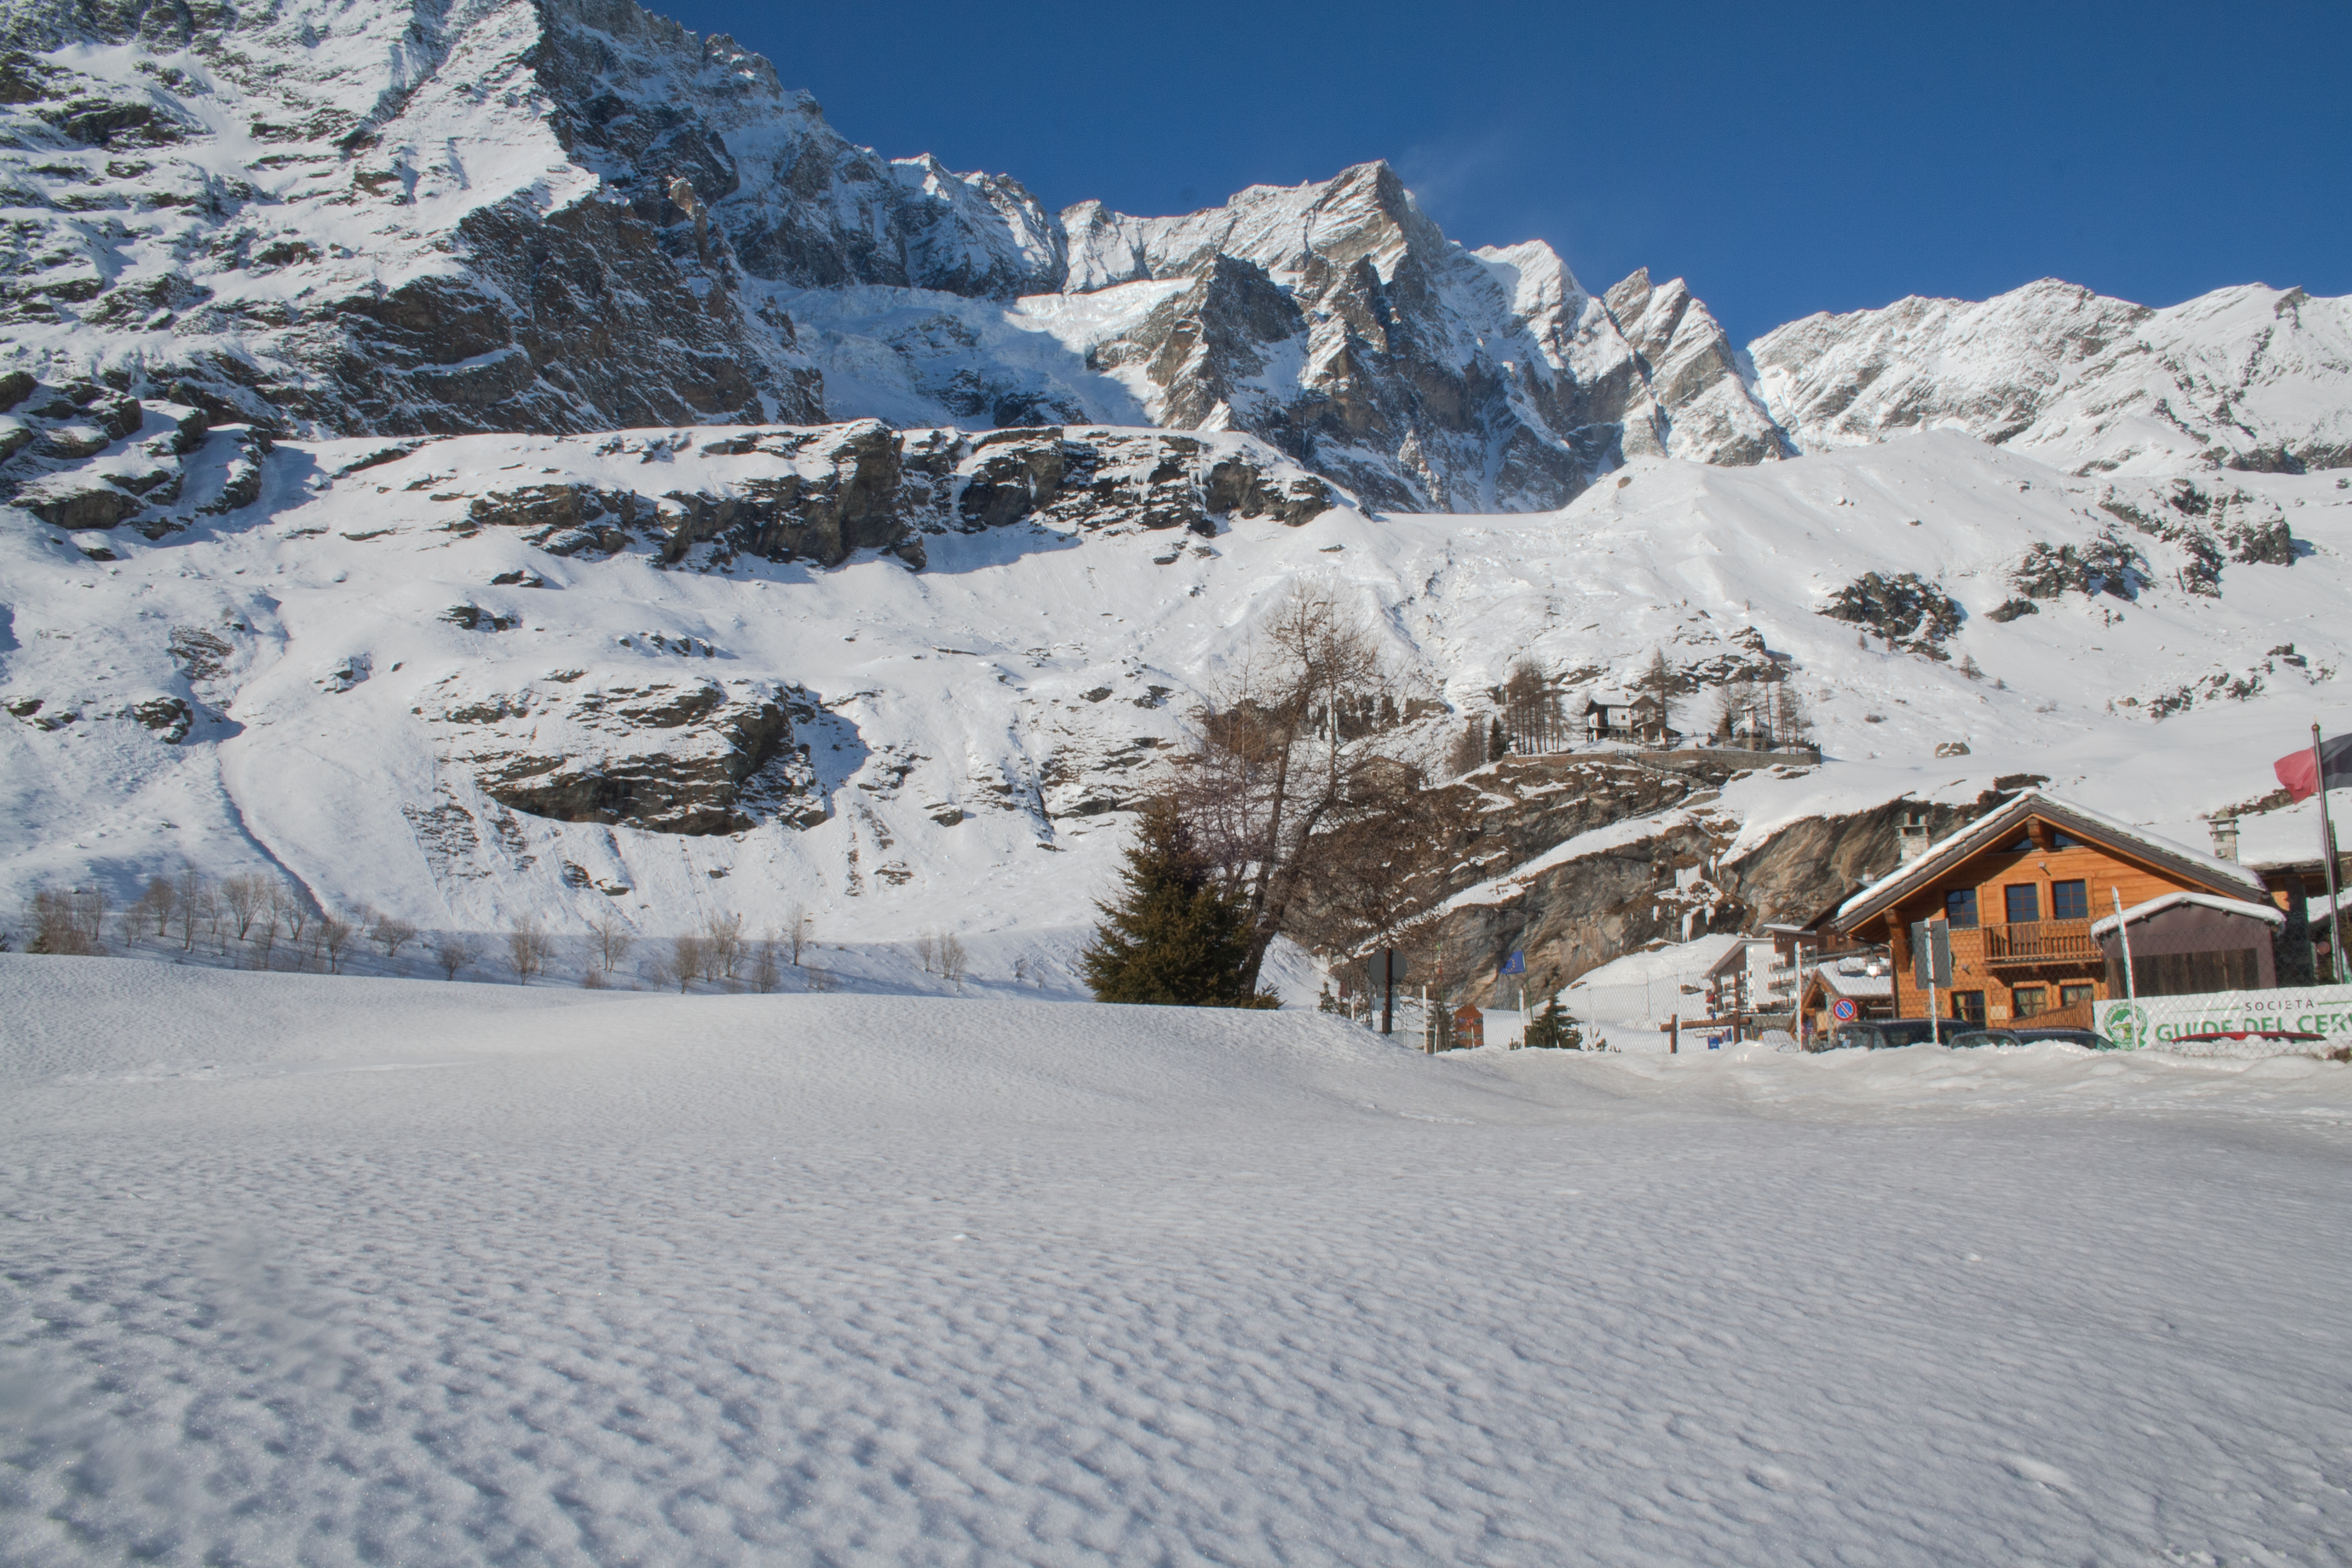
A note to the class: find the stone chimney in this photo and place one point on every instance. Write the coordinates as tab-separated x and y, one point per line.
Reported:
1915	834
2225	836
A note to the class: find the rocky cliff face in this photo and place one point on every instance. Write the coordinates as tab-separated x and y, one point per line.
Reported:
2250	378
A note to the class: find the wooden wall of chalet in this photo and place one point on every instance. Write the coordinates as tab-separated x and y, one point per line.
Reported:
2189	950
1990	871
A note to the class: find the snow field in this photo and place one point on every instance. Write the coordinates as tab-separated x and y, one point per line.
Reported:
343	1269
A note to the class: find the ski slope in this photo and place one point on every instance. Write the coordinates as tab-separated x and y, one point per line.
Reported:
299	1268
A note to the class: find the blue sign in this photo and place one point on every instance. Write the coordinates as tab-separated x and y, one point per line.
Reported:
1516	964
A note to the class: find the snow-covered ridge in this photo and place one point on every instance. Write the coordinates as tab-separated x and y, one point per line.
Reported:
2248	378
576	215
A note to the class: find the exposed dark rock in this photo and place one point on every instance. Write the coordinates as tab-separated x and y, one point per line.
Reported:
78	500
1905	610
666	755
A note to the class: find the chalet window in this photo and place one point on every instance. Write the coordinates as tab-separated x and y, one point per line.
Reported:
1960	909
1969	1006
2024	900
2070	901
2028	1000
2074	995
2024	845
2064	841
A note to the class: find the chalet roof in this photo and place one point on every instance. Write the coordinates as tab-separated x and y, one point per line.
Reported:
2189	865
1736	955
2157	906
1861	987
1607	700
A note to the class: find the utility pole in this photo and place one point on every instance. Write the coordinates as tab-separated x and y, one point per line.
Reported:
2328	855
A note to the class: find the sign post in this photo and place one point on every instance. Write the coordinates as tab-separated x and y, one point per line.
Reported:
2327	854
1931	966
1388	967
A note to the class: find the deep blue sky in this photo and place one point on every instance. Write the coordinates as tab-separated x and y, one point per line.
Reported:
1784	159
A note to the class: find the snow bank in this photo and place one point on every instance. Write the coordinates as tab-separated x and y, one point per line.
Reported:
330	1269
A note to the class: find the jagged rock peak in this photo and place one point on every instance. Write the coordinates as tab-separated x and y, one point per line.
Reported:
2249	377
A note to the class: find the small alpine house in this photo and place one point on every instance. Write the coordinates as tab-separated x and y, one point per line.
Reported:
2023	888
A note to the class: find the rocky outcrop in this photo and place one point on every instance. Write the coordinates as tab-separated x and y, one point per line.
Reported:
664	755
826	493
1905	611
1660	876
387	250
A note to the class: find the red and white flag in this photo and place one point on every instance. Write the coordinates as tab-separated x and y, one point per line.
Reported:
2301	770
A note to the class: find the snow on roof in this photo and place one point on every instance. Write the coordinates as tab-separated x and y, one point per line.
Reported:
1860	986
1942	855
2157	906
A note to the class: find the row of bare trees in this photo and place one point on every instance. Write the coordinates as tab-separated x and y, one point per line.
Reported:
260	922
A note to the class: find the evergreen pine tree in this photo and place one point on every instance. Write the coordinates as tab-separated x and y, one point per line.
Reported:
1499	745
1174	938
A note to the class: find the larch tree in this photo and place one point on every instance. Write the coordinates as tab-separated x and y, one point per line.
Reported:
1177	935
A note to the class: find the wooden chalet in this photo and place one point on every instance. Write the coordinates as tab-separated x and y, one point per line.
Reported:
2023	888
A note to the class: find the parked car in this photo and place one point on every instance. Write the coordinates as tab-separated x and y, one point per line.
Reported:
1891	1033
1971	1036
2083	1037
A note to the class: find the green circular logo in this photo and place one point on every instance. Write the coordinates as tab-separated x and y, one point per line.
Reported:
2126	1025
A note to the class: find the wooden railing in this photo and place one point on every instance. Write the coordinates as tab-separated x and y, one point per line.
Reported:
2040	942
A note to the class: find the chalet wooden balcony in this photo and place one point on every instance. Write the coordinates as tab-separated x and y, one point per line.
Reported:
2039	943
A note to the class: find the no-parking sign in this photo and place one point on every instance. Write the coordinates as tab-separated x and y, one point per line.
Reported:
1843	1009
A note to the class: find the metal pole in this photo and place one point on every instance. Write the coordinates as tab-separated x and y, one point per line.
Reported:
2327	853
2123	934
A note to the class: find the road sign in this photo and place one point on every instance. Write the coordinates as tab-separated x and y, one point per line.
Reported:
1514	964
1931	954
1843	1009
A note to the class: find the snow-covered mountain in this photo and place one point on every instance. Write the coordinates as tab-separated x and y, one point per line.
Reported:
2250	378
413	423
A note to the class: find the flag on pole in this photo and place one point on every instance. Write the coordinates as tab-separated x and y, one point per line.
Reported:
2301	770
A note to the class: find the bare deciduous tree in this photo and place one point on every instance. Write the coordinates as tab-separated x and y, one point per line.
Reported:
291	910
1263	779
263	928
614	941
390	933
722	946
157	903
927	950
68	922
796	928
954	962
335	932
767	973
685	958
454	951
1531	711
246	896
197	901
526	950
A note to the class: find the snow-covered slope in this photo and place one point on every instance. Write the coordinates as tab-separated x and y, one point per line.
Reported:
484	677
2248	378
321	1270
